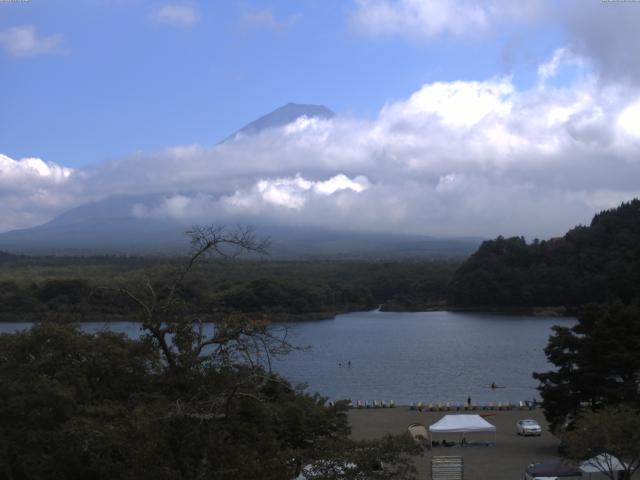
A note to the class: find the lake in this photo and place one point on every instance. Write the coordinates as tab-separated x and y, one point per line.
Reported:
409	357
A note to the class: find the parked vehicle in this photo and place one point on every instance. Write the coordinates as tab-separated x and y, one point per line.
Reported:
528	427
552	469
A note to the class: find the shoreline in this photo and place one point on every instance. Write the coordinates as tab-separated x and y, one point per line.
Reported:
560	312
555	311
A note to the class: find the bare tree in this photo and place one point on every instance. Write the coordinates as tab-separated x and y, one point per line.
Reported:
180	334
188	346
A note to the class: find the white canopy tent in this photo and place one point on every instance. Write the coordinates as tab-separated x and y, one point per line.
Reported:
462	424
601	464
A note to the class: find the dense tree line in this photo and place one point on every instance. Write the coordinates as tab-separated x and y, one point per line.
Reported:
597	360
48	287
595	263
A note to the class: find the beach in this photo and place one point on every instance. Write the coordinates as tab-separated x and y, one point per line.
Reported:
506	460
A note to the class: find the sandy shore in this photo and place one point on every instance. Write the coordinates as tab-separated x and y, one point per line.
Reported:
506	461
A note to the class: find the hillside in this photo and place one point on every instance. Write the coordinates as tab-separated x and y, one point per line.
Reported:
594	263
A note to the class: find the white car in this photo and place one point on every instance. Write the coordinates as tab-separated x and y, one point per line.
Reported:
528	427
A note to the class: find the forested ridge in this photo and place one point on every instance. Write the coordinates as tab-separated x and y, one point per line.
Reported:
595	263
86	288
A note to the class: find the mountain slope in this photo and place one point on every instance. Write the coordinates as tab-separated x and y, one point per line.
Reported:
109	226
105	226
283	116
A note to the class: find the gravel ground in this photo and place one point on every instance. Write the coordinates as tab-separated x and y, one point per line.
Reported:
505	461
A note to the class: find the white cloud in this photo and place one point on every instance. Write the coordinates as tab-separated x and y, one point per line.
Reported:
455	104
629	120
425	19
560	58
31	169
550	69
266	19
418	18
291	192
25	42
267	195
176	15
270	197
341	182
301	124
32	190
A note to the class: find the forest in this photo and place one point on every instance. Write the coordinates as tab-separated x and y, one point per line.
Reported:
595	263
88	288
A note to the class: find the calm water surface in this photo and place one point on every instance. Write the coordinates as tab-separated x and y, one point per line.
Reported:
427	356
409	357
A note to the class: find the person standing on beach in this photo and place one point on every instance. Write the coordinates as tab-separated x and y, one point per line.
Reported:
469	401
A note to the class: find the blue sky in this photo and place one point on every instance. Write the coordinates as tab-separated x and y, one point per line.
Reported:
122	82
455	117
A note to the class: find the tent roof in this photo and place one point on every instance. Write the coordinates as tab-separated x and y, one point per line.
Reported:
462	423
553	468
604	460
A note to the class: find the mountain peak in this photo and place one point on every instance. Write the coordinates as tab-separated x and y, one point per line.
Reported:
283	116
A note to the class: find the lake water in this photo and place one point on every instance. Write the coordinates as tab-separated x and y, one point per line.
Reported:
409	357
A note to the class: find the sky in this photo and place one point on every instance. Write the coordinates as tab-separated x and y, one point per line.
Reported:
474	118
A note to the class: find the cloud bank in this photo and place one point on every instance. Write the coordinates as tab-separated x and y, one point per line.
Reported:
454	158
